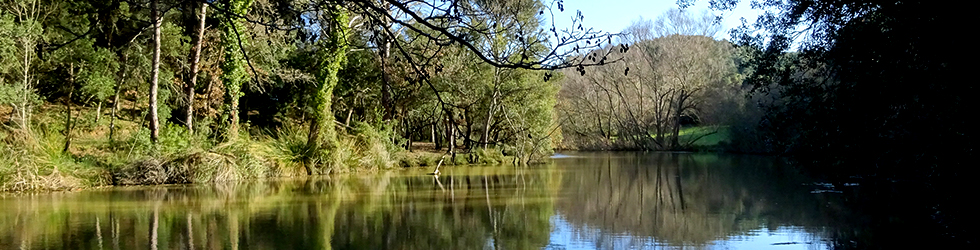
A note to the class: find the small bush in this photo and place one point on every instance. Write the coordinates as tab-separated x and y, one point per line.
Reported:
408	161
375	146
429	159
489	156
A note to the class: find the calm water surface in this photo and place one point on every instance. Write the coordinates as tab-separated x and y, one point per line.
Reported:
582	201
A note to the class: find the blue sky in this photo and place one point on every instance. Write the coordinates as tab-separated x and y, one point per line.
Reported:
615	15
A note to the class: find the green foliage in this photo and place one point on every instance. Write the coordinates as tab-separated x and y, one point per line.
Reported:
287	146
375	145
332	54
492	156
365	148
518	103
99	81
79	55
40	164
234	68
17	59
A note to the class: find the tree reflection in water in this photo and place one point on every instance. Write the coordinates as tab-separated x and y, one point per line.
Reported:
698	200
499	207
601	201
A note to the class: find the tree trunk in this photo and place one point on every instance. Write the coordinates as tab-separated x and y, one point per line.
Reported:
350	112
433	138
386	100
437	129
496	134
68	126
115	97
486	128
469	129
234	73
493	104
29	15
408	135
155	71
195	68
207	96
98	112
675	141
451	135
333	54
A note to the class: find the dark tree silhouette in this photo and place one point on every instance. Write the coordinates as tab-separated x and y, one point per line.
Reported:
875	92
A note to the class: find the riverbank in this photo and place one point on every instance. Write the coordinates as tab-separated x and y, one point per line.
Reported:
709	138
51	171
42	159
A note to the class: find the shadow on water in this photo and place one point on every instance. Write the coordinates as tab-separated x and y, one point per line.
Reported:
584	201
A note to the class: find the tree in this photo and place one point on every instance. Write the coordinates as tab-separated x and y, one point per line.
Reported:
332	54
157	20
874	93
20	33
234	72
663	80
689	66
195	58
459	22
679	22
84	72
853	50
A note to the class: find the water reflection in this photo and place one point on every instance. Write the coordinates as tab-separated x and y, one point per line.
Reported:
496	207
686	200
601	201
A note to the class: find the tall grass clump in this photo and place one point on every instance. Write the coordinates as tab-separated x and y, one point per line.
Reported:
286	149
35	161
182	157
375	148
362	147
135	160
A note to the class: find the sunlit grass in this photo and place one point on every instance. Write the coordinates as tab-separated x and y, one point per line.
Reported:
705	135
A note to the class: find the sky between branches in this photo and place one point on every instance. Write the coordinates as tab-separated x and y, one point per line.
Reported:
615	15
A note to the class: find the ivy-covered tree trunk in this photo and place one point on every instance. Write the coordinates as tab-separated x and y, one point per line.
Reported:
331	57
233	69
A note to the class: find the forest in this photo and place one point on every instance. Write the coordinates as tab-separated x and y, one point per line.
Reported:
151	92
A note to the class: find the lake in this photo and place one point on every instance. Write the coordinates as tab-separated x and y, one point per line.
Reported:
578	201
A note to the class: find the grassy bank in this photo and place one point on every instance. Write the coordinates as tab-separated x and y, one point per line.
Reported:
689	138
35	160
706	138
